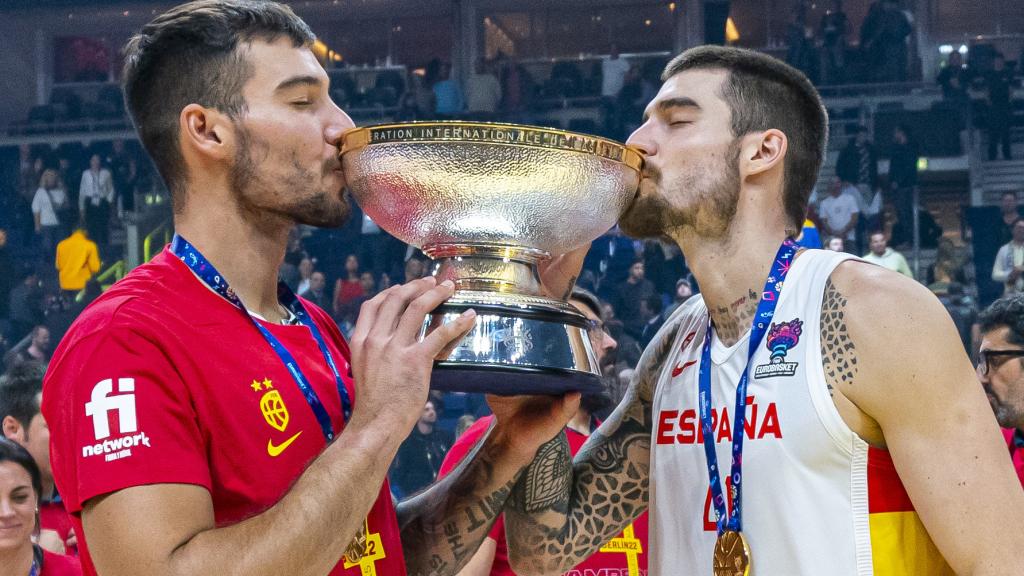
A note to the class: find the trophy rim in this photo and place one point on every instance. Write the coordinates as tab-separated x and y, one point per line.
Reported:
361	137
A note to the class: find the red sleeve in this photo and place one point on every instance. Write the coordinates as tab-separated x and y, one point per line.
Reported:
120	415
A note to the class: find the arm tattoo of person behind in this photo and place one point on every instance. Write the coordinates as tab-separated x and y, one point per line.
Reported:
559	515
443	526
838	354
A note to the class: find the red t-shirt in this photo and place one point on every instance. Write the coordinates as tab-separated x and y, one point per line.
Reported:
60	565
161	380
611	561
1016	453
53	516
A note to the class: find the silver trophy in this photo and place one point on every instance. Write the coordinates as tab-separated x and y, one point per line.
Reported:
488	202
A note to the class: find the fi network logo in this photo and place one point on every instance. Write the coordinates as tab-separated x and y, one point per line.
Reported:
103	402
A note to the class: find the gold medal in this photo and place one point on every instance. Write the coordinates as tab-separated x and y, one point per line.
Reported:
732	555
357	547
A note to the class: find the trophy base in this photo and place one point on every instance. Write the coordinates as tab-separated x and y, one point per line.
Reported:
524	345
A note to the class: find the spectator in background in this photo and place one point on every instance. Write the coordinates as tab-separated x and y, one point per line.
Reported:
32	348
835	244
448	99
463	424
78	259
1009	262
883	38
483	92
858	162
1000	115
902	181
651	309
347	289
20	490
26	304
954	68
682	293
1001	370
1009	212
317	292
7	274
839	212
628	297
802	53
124	172
834	29
614	69
21	392
95	196
961	307
420	456
305	270
885	256
48	203
414	269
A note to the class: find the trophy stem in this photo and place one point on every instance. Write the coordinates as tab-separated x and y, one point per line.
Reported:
489	268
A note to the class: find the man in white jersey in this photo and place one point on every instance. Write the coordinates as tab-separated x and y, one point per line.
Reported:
866	447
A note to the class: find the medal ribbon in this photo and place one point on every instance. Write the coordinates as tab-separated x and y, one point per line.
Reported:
762	319
206	272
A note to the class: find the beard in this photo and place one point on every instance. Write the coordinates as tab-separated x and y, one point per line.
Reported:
714	191
295	193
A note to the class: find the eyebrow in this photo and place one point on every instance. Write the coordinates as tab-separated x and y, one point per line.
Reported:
670	103
298	81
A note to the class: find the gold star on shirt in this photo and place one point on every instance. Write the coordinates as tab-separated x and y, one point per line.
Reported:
267	384
255	386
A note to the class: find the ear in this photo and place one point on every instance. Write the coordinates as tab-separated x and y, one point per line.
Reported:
12	429
762	152
206	132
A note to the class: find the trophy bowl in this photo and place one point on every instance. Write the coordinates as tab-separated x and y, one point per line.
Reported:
488	202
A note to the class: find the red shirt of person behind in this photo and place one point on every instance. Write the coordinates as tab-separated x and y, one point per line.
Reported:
60	565
161	380
624	555
1015	442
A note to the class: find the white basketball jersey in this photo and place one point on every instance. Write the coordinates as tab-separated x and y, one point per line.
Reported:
817	499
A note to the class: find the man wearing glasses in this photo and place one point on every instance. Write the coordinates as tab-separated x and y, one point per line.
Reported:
1001	370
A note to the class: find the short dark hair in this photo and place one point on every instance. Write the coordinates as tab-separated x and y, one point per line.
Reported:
589	299
19	392
763	93
1007	311
11	451
190	54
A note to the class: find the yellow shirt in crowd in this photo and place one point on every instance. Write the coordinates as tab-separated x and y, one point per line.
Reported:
77	260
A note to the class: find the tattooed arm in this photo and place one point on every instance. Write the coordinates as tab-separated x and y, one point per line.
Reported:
901	380
561	511
443	526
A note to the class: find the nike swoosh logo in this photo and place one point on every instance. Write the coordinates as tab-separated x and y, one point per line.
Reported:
679	369
275	451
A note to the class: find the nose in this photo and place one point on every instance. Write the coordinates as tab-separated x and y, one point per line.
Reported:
609	343
6	508
338	123
641	140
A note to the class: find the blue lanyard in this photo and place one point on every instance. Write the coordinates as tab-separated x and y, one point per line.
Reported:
34	570
765	312
202	268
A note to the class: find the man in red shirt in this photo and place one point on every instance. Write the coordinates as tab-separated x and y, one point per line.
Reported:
1001	370
205	420
626	554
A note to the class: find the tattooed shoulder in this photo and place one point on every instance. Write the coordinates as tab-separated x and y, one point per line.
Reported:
838	354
